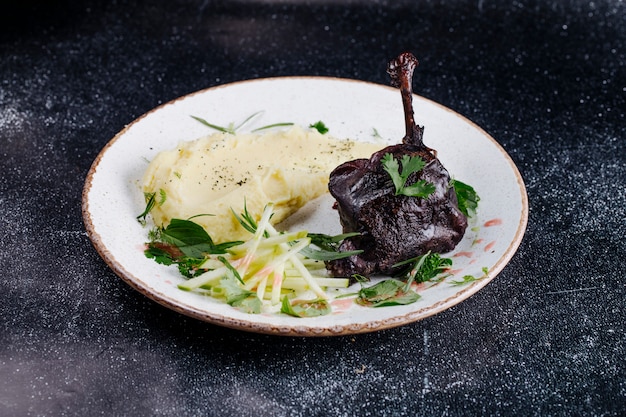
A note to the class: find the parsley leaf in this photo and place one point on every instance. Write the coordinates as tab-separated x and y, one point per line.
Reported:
410	164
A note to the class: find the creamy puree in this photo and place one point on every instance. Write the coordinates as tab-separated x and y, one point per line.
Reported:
217	173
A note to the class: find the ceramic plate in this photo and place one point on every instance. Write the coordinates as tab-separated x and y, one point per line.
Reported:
112	197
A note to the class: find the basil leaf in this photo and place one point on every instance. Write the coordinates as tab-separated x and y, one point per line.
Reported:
386	293
466	196
189	237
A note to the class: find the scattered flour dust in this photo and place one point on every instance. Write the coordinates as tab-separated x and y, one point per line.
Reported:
11	118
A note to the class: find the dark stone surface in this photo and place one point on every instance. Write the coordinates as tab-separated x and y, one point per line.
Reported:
546	78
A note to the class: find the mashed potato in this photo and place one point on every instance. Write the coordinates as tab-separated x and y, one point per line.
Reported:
215	174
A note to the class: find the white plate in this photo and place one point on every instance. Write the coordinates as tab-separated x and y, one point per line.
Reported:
351	109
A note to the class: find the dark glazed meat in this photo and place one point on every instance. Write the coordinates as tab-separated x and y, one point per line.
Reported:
393	227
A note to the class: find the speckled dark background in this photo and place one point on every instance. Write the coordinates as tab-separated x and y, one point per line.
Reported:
546	78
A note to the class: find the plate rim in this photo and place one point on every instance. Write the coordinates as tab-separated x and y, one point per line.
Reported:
304	330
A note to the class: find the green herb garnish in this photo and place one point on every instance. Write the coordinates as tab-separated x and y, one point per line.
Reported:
466	196
150	203
328	247
189	237
389	292
272	126
231	268
245	219
240	298
424	268
320	127
232	128
395	292
185	244
305	308
167	254
410	164
468	279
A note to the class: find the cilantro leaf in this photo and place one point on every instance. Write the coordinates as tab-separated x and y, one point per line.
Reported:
399	177
393	169
411	164
421	188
